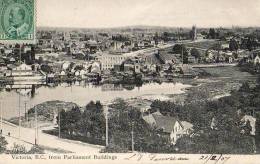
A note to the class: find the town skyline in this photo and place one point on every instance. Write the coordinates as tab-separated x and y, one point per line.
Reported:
114	13
151	26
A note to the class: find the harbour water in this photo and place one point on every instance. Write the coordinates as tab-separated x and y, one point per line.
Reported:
79	93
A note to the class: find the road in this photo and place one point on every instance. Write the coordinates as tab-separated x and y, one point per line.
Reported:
27	137
159	47
213	65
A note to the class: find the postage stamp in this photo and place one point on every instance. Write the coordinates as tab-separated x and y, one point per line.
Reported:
17	21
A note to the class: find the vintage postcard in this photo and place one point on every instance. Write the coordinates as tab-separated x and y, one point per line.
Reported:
130	81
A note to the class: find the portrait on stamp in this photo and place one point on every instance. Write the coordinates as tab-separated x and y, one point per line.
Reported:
17	20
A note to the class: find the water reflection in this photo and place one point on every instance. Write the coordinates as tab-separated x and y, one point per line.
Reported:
23	90
78	92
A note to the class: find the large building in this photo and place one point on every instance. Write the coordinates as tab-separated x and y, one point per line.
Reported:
24	72
108	61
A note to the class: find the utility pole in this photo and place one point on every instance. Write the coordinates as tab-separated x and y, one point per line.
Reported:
1	112
19	108
20	52
106	125
25	111
59	122
132	132
36	125
182	54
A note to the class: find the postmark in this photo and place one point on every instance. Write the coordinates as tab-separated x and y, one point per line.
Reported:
17	21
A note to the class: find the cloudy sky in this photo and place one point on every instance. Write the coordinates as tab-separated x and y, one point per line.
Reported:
176	13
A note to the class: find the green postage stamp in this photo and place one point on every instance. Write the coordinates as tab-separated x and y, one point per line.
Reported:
17	21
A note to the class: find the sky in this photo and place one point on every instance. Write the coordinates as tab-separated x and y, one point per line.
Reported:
172	13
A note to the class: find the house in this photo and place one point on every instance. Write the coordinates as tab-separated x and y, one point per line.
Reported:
129	65
62	73
213	124
95	67
220	57
257	60
2	62
149	67
210	56
65	65
252	121
225	46
192	59
188	71
12	60
170	127
200	36
170	58
137	68
229	56
8	51
230	59
27	49
80	73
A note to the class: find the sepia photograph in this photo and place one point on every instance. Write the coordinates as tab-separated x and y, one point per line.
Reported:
130	81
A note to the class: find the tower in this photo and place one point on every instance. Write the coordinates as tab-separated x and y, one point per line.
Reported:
194	32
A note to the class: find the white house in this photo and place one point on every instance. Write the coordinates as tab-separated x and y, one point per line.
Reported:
172	127
95	67
65	65
63	73
252	121
257	60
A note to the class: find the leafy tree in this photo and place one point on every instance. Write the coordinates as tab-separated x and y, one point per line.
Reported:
68	120
247	128
36	150
46	68
257	131
72	119
63	121
245	87
249	43
185	145
2	51
93	120
181	49
78	67
195	52
40	61
212	33
18	149
164	107
3	144
216	46
87	125
233	45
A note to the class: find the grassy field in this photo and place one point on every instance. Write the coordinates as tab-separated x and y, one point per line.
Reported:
221	82
204	45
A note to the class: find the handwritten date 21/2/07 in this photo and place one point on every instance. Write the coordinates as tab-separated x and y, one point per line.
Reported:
216	159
